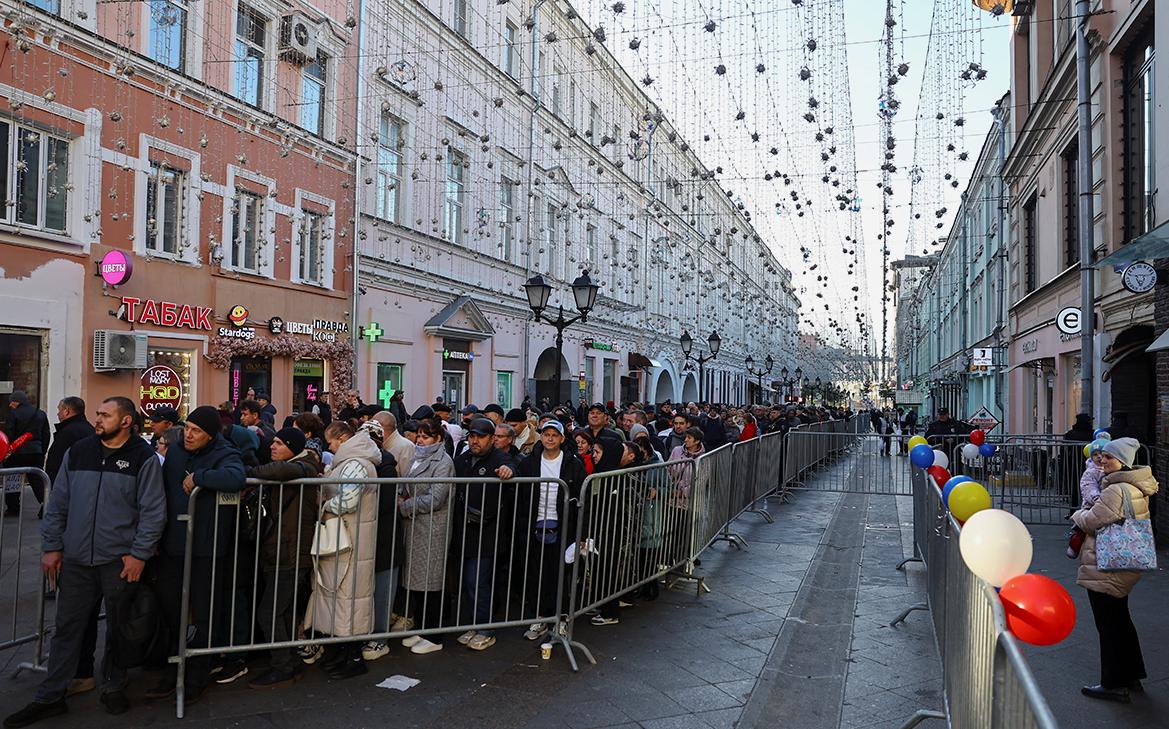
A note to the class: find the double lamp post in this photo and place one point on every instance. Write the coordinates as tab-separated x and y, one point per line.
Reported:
713	342
539	292
758	373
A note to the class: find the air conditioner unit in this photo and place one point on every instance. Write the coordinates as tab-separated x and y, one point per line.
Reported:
118	350
298	38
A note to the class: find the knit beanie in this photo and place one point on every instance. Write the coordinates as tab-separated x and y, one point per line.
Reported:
1123	450
292	438
205	418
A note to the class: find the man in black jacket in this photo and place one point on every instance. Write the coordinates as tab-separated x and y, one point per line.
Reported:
71	427
25	417
477	509
105	515
211	464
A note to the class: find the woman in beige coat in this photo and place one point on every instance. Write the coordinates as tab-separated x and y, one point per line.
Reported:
343	584
1121	665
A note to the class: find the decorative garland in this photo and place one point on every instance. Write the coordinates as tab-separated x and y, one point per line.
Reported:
221	350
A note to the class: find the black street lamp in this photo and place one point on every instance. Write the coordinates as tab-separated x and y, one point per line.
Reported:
539	292
788	383
816	391
714	342
758	373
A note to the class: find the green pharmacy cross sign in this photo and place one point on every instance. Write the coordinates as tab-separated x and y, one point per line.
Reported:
385	393
373	332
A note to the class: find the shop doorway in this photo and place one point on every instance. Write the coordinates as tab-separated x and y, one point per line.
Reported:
308	379
23	357
454	390
253	373
545	377
1132	372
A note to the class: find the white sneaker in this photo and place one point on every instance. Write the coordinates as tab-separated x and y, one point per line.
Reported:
374	650
536	631
310	654
425	646
465	638
411	641
403	623
481	642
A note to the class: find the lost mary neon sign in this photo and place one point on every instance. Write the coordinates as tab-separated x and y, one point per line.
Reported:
166	313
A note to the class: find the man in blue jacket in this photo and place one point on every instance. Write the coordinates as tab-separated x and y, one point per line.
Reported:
211	464
105	515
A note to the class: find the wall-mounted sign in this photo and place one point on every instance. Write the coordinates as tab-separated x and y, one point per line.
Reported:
601	346
166	314
276	325
329	325
116	268
241	333
451	354
1139	277
160	386
372	332
1029	345
320	330
984	420
1068	320
238	315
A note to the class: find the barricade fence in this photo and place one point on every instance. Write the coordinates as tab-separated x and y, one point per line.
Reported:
987	682
22	584
853	462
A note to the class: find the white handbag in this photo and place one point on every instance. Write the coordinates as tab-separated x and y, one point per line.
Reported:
330	538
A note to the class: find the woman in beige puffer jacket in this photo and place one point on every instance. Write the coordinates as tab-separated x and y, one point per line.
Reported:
1121	664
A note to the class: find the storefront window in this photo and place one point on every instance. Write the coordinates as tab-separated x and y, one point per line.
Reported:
590	377
177	361
254	373
21	361
610	376
1071	376
308	379
503	389
389	381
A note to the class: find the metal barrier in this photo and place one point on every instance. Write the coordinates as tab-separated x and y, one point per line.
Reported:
769	467
987	681
23	593
852	462
472	555
710	507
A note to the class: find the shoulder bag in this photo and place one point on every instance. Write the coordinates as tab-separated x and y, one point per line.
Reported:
1126	544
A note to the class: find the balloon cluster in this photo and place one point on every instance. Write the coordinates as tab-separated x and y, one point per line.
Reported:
7	448
996	546
977	447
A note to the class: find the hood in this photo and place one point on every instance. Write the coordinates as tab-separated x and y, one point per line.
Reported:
1090	465
359	446
1141	477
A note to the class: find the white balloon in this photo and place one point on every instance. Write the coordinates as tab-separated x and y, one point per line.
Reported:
995	545
941	459
969	452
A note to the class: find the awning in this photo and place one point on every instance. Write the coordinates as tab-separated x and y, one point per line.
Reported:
1147	247
638	361
1160	343
1036	363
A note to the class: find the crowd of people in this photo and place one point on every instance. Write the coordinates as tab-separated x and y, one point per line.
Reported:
117	526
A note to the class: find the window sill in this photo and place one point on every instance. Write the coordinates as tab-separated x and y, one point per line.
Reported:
169	258
22	231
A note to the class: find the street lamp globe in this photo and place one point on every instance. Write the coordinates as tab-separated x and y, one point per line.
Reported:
686	342
538	293
714	341
585	293
769	362
749	362
783	373
817	383
799	374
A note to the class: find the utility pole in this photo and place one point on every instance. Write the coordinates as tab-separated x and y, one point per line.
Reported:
1087	216
964	308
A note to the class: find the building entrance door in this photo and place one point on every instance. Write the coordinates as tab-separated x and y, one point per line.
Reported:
454	390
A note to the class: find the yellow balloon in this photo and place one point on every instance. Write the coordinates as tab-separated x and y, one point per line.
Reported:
1088	450
967	499
917	440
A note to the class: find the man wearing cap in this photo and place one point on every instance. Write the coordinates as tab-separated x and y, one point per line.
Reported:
207	462
477	507
541	508
105	515
162	419
525	436
599	425
494	413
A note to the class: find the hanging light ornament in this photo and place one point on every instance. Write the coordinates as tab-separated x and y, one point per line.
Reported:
887	106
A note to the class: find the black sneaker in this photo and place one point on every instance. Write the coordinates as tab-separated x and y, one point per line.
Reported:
273	678
164	689
230	670
1119	695
33	713
115	702
349	669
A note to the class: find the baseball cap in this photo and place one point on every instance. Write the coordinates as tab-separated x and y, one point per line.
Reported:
166	413
470	410
599	406
554	424
481	426
441	407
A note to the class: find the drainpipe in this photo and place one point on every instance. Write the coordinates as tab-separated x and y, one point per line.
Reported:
1001	259
357	188
529	390
1087	245
963	310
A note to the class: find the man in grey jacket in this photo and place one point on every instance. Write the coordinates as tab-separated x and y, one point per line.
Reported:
105	515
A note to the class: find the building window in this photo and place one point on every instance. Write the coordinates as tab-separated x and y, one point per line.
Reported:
168	32
312	247
594	132
1139	184
312	95
590	251
503	389
165	188
614	263
49	6
34	173
247	219
1030	262
557	109
460	17
511	51
453	204
389	168
389	381
506	217
251	31
609	375
616	143
551	239
1070	160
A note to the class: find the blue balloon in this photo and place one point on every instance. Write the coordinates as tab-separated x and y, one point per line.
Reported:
950	487
1102	434
986	450
922	456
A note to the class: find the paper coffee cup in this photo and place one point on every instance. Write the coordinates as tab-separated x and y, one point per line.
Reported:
545	651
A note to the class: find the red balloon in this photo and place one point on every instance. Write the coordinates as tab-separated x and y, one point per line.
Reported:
977	437
939	474
1039	610
3	446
